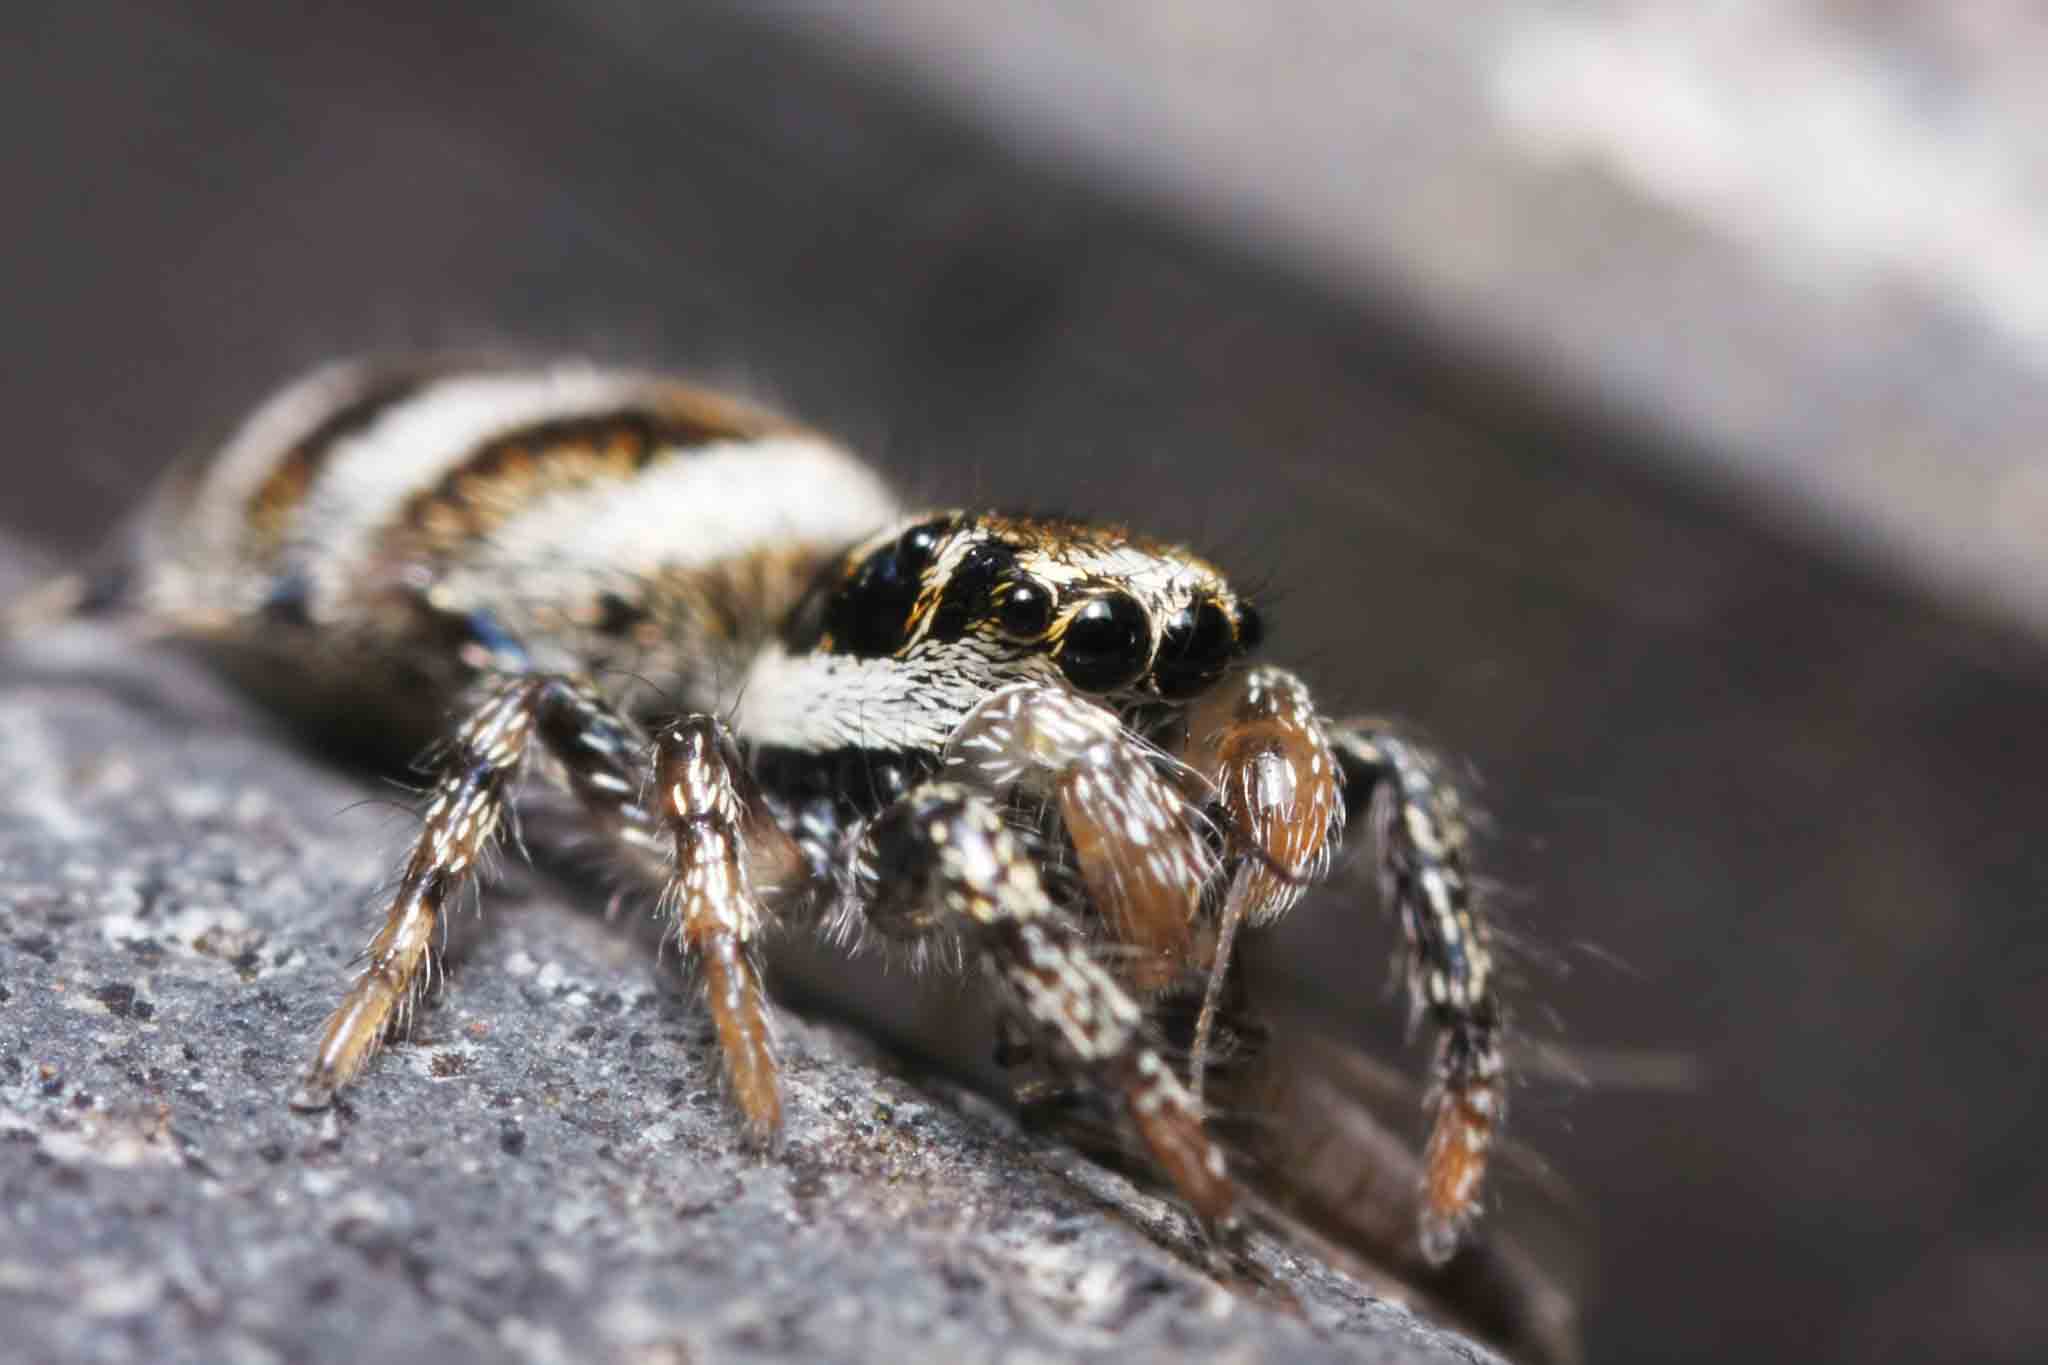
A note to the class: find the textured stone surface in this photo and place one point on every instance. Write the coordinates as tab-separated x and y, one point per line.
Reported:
547	1172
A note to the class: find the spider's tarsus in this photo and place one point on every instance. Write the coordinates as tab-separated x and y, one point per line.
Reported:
1439	1237
311	1097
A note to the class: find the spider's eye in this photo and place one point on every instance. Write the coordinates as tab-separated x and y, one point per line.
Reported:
1194	650
871	614
1025	612
1106	643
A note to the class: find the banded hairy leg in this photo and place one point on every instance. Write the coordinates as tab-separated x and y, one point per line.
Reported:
943	859
478	771
728	847
703	807
1420	838
1286	785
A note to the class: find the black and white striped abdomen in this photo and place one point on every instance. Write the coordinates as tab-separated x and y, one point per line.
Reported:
588	513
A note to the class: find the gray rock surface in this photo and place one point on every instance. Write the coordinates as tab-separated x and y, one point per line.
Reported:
546	1172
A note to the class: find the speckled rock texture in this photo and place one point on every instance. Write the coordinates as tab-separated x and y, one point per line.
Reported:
546	1171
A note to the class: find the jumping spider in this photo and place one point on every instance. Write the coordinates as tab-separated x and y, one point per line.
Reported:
1041	741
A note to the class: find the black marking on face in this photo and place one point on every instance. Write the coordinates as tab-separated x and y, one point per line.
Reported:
1106	644
868	614
970	595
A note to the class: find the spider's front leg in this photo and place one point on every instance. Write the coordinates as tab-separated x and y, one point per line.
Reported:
942	858
1419	831
1139	842
598	752
1286	785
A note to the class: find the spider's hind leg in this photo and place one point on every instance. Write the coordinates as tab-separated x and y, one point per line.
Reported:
478	770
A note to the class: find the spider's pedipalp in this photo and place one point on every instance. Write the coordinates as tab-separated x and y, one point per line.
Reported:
1420	836
1255	738
1137	838
943	855
1256	742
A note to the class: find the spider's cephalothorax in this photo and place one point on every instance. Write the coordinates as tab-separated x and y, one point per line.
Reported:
1040	741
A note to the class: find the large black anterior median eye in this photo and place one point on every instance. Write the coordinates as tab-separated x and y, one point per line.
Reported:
1194	650
1107	643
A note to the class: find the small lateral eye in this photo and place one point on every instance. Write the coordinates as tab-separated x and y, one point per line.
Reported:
1106	643
1024	611
1194	651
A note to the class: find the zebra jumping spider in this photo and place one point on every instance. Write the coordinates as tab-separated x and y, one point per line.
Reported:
1042	742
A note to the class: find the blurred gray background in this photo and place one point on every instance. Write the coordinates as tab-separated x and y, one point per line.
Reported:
1646	406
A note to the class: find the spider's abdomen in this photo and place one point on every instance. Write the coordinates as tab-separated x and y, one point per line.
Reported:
445	516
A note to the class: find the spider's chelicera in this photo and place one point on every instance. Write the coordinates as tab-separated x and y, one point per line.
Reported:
1046	742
